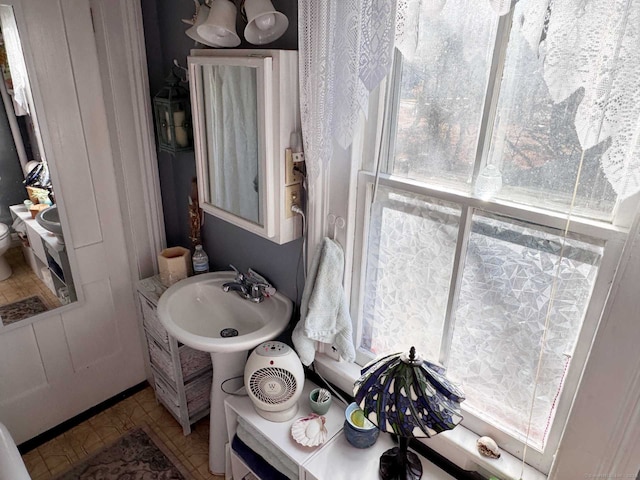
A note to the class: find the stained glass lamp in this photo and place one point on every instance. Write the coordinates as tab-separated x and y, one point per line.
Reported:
409	397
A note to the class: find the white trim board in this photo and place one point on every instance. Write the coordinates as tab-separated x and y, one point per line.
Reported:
120	42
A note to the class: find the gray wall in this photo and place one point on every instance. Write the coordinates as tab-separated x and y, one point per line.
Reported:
223	242
12	190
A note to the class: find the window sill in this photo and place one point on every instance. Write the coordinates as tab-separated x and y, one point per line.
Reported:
457	445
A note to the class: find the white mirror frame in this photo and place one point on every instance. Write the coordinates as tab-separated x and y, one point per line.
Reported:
262	65
278	116
45	140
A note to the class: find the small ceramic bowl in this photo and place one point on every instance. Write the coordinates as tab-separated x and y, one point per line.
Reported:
319	407
359	437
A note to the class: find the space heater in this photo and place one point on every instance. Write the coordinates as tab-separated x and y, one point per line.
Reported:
274	378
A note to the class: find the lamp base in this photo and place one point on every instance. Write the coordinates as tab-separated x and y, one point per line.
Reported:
399	464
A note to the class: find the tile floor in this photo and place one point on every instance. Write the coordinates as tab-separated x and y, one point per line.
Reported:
24	282
59	454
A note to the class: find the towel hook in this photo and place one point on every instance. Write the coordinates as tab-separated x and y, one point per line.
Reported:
337	222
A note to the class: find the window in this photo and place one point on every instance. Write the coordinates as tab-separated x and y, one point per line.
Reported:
489	237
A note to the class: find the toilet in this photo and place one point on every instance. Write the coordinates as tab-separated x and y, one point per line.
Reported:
5	243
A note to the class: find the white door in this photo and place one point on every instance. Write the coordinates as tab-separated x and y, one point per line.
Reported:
56	367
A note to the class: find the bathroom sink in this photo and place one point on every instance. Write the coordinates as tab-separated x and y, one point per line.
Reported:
197	312
49	219
201	315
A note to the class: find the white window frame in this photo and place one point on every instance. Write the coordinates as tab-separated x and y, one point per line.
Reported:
336	194
613	236
348	179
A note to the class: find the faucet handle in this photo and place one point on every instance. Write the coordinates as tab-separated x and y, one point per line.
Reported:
239	274
257	288
262	289
255	277
259	291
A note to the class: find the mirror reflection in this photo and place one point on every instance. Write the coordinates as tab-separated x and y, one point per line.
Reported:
231	115
34	267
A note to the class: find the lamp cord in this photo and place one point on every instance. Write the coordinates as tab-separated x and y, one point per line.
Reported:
303	254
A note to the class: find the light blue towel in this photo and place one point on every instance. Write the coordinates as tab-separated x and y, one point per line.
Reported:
324	316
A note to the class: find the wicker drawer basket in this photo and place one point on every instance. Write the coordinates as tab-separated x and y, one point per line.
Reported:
197	392
152	322
191	361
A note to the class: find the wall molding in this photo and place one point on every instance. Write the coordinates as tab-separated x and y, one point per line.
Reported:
120	41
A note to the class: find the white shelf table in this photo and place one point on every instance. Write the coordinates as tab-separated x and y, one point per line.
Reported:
279	433
335	459
339	460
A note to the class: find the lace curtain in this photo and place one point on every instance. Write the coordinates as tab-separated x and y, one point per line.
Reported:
346	49
595	46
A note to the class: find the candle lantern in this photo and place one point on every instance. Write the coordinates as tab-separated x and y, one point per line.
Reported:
173	117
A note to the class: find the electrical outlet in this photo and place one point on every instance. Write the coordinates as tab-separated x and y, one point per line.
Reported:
292	196
291	175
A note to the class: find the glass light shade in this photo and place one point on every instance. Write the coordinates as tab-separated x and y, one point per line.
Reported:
201	17
264	23
408	396
219	28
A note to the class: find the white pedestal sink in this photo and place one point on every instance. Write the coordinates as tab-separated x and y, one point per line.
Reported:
196	311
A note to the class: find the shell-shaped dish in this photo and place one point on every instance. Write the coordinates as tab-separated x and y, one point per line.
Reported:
309	431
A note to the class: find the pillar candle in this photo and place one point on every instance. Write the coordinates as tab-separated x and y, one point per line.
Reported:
168	123
181	132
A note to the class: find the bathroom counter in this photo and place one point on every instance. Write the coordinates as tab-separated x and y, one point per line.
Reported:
20	211
46	256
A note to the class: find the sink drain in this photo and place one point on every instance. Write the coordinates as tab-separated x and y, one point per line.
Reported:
228	332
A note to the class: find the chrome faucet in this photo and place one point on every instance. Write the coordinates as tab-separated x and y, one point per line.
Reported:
251	286
236	287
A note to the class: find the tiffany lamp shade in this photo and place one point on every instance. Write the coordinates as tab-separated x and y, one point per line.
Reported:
409	397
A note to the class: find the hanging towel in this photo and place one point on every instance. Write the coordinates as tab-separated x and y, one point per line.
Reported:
324	316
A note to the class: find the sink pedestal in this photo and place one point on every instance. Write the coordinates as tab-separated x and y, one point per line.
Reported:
226	365
196	311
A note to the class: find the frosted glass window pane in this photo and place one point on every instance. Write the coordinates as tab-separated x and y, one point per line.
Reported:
500	317
409	266
442	93
535	143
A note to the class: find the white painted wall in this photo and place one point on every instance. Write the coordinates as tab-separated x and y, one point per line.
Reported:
56	367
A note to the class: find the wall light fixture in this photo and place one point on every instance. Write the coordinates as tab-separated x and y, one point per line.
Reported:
214	23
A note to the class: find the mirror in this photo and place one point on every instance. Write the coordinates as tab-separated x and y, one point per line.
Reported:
35	275
231	116
245	109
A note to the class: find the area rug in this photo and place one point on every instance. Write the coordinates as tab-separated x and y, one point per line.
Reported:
12	312
137	455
